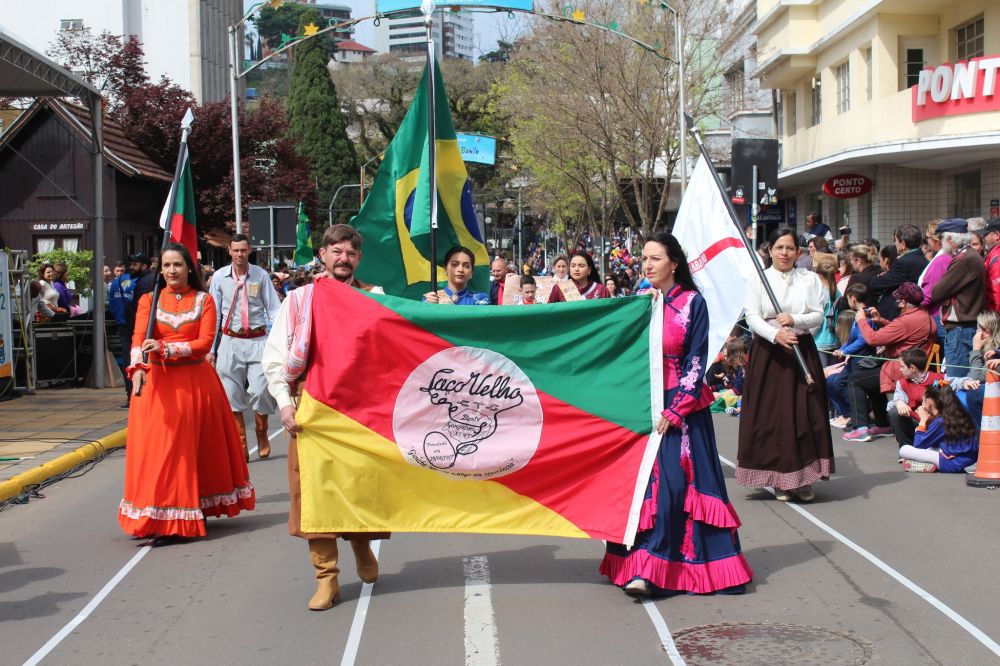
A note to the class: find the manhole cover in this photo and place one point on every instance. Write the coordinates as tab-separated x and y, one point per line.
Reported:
752	644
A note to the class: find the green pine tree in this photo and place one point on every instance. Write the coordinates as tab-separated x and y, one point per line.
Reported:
315	118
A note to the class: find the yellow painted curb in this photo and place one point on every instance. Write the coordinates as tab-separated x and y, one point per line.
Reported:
16	485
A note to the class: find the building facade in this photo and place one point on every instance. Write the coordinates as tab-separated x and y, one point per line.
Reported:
892	105
405	35
185	40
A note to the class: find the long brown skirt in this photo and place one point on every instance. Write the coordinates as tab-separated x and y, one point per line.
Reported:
785	437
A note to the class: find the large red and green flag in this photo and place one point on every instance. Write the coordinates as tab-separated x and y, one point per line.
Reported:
428	418
183	227
303	240
395	218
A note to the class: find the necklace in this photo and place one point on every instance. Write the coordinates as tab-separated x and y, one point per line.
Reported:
178	296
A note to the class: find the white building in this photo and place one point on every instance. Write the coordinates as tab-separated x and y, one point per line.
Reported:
405	35
185	40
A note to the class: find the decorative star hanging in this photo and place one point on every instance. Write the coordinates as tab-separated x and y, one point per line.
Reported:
277	3
310	29
578	15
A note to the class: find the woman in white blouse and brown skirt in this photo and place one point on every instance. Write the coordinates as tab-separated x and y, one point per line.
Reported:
785	437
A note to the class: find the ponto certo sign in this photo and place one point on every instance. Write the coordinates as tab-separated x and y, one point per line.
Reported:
949	90
847	186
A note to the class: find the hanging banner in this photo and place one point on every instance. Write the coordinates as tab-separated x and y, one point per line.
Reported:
477	148
6	340
386	6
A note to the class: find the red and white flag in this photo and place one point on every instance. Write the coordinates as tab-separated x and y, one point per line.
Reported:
720	264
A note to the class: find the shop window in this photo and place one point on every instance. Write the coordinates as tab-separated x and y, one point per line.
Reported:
968	194
843	87
48	243
969	40
816	102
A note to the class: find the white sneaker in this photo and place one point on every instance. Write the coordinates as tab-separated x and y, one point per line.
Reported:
637	588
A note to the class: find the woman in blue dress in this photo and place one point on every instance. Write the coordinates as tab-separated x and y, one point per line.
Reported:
459	263
687	539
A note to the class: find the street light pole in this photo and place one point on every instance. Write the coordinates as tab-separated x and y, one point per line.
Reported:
234	82
679	58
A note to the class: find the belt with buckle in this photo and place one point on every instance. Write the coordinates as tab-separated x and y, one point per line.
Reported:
258	332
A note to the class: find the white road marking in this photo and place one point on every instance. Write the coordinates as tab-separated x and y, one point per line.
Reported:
972	629
481	647
360	614
95	602
269	438
88	609
666	638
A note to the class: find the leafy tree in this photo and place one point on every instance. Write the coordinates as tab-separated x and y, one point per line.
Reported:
315	118
501	54
272	23
113	65
79	266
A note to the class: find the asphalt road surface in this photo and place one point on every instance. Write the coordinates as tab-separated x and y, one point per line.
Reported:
883	568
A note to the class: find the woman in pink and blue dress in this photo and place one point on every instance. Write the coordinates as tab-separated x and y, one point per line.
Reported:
687	541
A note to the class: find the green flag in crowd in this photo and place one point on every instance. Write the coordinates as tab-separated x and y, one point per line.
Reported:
303	241
395	218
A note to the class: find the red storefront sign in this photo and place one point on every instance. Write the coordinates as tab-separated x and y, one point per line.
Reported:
847	186
969	86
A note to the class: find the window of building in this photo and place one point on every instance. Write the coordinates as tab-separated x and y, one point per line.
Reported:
968	194
969	40
792	115
816	99
736	83
843	87
868	74
915	55
779	113
71	24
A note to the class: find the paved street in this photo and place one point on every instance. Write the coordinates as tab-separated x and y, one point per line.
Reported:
239	596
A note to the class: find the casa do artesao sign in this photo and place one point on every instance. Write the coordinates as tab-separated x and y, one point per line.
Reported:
969	86
847	186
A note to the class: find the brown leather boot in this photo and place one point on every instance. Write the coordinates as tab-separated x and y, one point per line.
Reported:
263	443
365	559
324	559
242	428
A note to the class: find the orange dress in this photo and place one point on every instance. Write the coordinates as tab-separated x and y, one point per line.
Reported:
184	457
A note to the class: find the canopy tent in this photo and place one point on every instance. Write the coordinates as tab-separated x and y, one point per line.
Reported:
26	73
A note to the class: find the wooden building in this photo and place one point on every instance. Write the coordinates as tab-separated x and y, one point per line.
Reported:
47	193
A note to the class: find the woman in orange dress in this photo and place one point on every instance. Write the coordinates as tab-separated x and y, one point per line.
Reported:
184	458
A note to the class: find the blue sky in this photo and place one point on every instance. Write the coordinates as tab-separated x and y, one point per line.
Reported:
489	27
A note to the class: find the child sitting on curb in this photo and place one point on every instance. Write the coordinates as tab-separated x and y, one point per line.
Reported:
725	377
909	393
946	439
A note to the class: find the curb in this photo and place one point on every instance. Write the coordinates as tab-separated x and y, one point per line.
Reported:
16	485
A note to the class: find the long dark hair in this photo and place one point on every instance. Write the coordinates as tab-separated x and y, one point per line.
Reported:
781	233
682	274
194	273
957	424
594	275
460	249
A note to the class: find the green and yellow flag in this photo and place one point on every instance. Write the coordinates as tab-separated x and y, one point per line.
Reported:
303	240
395	218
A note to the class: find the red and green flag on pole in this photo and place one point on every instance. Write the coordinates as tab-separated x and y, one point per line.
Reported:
303	240
423	418
183	226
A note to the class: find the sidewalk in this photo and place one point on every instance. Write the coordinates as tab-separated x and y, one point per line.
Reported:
40	428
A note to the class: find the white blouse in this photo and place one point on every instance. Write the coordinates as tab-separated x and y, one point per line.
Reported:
800	293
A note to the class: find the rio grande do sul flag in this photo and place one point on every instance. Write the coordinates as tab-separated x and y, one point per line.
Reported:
720	264
183	227
430	418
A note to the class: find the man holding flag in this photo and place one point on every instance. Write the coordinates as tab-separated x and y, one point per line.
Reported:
285	362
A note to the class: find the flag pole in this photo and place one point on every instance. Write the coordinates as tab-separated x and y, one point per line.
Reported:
428	8
689	121
171	202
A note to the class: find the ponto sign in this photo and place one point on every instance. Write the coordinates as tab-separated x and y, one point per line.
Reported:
949	90
847	186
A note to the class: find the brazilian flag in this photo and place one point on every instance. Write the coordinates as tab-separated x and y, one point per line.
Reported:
395	218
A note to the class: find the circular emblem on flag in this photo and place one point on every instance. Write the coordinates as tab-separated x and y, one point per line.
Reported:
468	412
